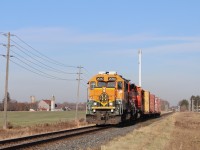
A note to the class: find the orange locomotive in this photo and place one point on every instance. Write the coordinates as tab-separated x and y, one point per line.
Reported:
113	99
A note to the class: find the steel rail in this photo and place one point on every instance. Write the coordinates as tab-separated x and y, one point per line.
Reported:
28	141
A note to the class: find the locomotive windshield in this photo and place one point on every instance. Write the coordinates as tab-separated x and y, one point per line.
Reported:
111	84
101	84
106	84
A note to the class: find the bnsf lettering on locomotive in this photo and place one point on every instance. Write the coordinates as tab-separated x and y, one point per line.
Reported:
103	98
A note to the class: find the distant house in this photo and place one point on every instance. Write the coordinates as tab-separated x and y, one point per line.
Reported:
44	105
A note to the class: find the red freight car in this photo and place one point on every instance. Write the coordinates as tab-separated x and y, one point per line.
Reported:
140	101
157	106
152	103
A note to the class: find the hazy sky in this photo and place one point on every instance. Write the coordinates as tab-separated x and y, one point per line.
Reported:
101	35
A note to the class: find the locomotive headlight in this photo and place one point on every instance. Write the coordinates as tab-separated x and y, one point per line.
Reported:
118	102
110	104
95	103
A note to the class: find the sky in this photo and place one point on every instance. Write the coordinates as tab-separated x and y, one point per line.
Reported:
100	36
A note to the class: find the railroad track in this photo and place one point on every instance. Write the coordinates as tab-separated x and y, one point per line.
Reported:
24	142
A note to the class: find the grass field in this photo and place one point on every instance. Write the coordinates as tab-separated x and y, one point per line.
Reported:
23	119
180	131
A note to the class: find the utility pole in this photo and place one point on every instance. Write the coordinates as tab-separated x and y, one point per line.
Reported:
77	101
6	84
140	67
192	105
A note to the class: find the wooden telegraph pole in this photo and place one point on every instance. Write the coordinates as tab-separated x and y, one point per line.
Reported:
77	101
6	85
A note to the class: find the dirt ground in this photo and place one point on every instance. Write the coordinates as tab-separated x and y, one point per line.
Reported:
180	131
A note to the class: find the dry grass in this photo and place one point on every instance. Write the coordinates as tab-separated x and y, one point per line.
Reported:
186	134
40	128
179	131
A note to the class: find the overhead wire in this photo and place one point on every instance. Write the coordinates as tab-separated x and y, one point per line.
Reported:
35	62
87	71
37	58
47	58
20	49
30	70
84	79
47	68
41	73
83	85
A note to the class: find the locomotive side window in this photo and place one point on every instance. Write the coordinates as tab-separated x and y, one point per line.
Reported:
101	84
111	84
92	85
119	85
126	86
132	86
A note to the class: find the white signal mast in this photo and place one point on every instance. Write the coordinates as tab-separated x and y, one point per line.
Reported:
140	67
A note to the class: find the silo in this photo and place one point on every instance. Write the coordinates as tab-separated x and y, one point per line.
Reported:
32	99
53	103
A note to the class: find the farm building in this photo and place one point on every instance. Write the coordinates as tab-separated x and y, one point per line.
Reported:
45	105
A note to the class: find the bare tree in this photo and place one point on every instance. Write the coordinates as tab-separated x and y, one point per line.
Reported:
184	105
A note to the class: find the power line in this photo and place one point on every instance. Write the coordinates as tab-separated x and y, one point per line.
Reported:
87	71
84	85
84	80
86	76
46	76
47	58
47	68
38	62
38	69
52	68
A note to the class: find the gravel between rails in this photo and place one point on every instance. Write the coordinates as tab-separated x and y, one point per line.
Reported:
92	141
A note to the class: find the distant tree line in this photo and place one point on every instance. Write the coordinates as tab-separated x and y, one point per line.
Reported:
14	105
184	104
164	105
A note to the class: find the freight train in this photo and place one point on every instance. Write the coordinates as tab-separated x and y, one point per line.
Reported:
112	99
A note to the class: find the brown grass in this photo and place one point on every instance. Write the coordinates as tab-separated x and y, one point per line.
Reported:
179	131
39	128
186	133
